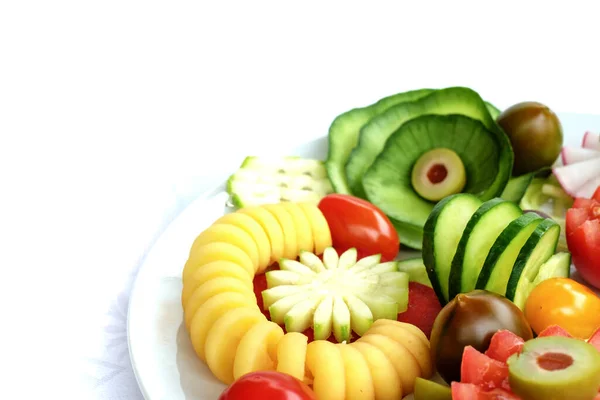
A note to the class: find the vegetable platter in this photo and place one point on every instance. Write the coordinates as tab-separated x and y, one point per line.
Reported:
431	246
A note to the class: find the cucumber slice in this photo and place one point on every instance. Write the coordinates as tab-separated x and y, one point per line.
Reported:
381	306
344	130
266	181
442	232
415	268
455	100
341	320
540	246
557	266
323	319
411	236
517	186
501	258
546	195
479	235
388	184
494	112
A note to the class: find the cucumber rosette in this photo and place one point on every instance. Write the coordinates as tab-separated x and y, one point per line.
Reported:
414	149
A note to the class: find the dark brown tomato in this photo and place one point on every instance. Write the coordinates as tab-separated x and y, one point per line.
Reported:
471	319
535	133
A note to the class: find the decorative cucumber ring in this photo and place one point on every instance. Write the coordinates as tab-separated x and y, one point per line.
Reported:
316	288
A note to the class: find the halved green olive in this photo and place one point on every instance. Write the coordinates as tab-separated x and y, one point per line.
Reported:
438	173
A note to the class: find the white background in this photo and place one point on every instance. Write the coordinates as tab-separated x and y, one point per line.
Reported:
115	114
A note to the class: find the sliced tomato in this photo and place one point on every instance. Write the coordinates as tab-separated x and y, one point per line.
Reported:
583	237
357	223
504	344
483	371
584	244
260	284
575	218
555	330
580	202
423	307
469	391
270	385
596	195
594	340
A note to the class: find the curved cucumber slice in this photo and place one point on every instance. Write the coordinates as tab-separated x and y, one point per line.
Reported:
442	232
410	235
344	130
415	269
272	180
481	232
540	246
455	100
494	112
388	181
516	187
558	266
501	258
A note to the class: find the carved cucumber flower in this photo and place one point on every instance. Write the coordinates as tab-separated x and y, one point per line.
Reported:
339	294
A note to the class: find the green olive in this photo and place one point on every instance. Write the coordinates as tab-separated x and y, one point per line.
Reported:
535	134
438	173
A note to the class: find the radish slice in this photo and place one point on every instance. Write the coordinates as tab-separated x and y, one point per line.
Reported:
588	189
573	177
591	141
572	155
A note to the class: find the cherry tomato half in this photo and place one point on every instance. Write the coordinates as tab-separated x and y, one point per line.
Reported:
270	385
357	223
583	237
566	303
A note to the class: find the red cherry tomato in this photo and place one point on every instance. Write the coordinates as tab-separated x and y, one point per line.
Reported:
357	223
268	385
423	307
583	237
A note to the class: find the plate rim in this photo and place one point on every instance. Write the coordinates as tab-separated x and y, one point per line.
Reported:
215	190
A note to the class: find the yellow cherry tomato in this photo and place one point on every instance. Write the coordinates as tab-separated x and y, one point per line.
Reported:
563	302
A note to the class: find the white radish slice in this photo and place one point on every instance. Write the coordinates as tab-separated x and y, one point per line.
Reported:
591	141
572	155
573	177
588	189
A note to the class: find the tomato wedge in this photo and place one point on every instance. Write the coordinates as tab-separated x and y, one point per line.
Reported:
357	223
583	237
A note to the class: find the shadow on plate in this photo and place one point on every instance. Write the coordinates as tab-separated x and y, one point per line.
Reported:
197	382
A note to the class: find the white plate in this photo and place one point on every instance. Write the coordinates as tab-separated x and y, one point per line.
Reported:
164	362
